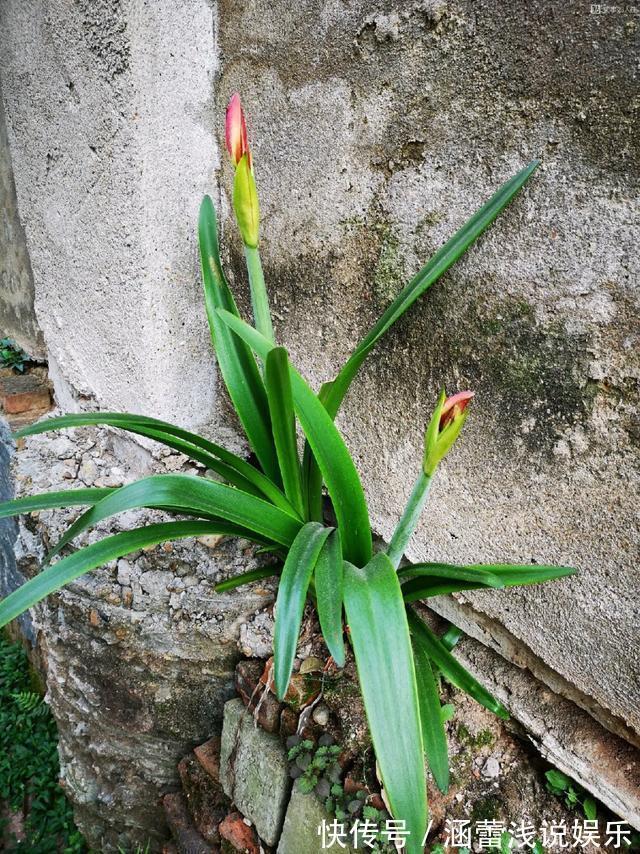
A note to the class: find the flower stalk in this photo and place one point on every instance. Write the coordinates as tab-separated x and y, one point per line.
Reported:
247	211
443	430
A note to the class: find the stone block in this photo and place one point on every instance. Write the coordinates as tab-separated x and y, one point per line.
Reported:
300	833
254	771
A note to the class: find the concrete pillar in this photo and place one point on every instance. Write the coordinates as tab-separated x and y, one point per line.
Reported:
110	122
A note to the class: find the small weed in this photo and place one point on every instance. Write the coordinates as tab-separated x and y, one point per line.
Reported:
317	770
11	356
29	766
572	794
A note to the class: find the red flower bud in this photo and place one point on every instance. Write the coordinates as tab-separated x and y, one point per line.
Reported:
454	406
236	131
444	428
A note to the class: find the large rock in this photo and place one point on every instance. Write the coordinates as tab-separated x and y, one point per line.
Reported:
302	830
254	771
140	654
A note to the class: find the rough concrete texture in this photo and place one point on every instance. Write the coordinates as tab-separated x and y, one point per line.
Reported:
304	818
254	771
17	314
376	132
110	123
139	654
570	739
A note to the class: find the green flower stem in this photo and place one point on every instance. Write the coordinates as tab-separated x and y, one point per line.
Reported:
259	298
409	520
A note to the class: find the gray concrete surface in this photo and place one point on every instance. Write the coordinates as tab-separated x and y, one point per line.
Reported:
17	313
376	132
110	123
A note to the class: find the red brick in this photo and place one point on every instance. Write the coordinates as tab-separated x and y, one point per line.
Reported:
208	755
240	836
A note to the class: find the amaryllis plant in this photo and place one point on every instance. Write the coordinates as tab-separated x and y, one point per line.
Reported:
278	501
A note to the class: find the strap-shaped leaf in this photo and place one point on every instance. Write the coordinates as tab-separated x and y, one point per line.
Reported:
329	449
430	273
435	579
194	496
283	421
433	732
292	592
245	578
380	640
49	500
237	363
191	444
444	258
450	666
329	585
69	568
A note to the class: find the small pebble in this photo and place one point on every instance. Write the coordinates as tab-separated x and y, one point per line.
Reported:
491	768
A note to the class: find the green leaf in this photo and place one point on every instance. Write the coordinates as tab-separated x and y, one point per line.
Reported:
195	496
311	474
430	273
329	582
69	568
338	470
558	780
590	809
280	396
451	637
245	578
450	666
421	586
237	363
173	437
443	259
380	640
292	592
48	500
433	732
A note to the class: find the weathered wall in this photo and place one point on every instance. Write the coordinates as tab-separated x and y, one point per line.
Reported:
110	123
376	131
17	314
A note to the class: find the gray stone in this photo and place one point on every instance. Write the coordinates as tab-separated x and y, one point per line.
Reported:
303	820
254	771
491	768
131	689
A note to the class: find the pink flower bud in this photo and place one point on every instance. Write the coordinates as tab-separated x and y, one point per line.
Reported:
454	406
236	131
444	428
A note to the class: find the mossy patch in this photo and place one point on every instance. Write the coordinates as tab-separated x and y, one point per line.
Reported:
389	275
534	374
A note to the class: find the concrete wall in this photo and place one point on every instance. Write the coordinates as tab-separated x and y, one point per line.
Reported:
376	132
17	314
110	123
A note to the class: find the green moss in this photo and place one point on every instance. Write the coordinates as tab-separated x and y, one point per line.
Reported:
389	274
486	809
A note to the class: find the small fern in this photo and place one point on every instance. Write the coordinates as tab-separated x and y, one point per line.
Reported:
29	701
